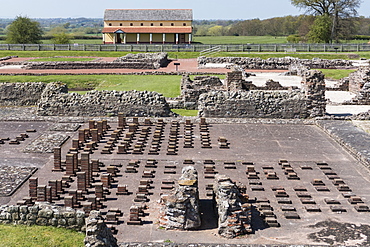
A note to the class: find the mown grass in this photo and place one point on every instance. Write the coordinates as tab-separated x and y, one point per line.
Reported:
336	74
220	40
185	55
36	236
185	112
168	85
62	59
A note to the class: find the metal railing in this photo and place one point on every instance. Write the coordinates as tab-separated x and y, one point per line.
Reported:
189	47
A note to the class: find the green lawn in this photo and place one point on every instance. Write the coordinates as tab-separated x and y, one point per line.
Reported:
37	236
62	59
168	85
219	40
336	74
184	112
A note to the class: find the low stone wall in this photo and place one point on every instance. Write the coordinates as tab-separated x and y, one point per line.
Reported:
21	94
130	61
157	60
55	102
274	63
359	83
43	214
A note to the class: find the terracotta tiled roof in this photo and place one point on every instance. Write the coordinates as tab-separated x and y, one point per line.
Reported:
148	29
148	15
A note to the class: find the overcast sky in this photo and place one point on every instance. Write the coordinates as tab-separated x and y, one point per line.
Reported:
202	9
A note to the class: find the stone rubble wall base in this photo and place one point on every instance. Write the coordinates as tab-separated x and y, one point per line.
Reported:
97	232
43	214
21	94
274	63
359	83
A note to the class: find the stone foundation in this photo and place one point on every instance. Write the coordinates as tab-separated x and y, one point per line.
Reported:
359	83
274	63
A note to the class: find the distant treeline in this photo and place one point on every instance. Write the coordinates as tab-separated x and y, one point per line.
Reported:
357	28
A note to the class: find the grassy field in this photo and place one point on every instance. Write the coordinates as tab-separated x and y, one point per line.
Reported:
62	59
184	112
168	85
336	74
185	55
37	236
219	40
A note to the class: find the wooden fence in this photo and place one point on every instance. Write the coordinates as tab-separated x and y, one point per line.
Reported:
190	48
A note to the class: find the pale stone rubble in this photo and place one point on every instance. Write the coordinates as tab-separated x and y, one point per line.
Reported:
234	213
180	209
97	232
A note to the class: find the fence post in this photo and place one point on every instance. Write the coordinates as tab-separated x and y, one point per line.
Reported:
275	48
23	47
358	47
259	48
324	47
308	48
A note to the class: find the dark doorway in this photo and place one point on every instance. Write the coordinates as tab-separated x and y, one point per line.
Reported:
182	38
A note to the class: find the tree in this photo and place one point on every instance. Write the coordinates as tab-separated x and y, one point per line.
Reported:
24	31
61	38
337	10
320	31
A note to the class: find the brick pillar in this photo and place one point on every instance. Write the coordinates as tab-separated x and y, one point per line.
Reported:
105	125
91	124
33	183
41	193
135	120
99	126
95	135
68	201
48	194
81	181
81	136
95	165
70	167
57	160
73	193
106	179
59	184
76	144
54	189
99	191
75	162
121	121
86	167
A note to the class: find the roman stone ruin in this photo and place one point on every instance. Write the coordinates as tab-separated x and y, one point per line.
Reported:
273	63
97	232
234	213
358	82
268	104
21	94
43	214
180	209
130	61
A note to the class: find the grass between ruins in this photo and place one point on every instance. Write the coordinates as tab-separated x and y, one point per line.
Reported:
187	55
35	236
336	74
168	85
185	112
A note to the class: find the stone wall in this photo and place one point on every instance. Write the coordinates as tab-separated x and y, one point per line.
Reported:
56	102
274	63
43	214
253	104
97	232
21	94
130	61
310	102
234	214
359	83
192	89
180	209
